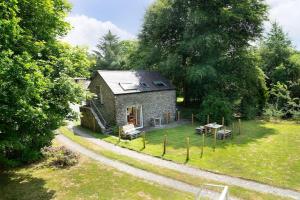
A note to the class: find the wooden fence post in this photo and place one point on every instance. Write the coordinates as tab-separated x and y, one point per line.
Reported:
178	115
144	139
215	138
232	131
239	126
187	148
165	144
119	133
169	117
192	118
207	119
202	147
222	121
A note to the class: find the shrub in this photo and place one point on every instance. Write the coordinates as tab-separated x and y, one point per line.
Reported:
60	156
216	107
272	113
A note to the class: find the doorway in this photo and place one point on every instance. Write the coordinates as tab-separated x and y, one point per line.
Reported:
134	116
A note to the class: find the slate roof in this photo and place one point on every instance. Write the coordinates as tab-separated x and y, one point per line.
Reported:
126	82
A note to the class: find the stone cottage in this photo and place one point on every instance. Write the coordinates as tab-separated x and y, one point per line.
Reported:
141	98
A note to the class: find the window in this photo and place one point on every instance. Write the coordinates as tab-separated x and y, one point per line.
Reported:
159	84
144	85
128	86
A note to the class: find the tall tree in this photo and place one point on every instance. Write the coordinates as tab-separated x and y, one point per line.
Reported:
128	49
34	92
199	44
275	51
73	61
108	52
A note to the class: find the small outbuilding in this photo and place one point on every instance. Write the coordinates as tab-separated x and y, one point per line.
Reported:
141	98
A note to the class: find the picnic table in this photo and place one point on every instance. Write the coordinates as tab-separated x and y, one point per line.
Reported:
214	127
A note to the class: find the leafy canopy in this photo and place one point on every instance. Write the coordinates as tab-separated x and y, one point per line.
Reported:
203	46
35	83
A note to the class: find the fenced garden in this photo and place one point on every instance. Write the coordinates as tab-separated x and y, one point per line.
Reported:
265	152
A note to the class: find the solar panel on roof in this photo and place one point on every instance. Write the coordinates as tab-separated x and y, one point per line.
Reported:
128	86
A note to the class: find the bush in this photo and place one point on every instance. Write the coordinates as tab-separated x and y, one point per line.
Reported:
271	113
60	156
216	107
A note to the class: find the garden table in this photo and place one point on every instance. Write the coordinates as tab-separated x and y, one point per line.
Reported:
214	127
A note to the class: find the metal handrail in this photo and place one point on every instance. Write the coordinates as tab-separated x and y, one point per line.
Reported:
224	194
98	113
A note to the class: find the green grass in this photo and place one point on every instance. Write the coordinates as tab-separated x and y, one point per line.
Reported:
264	152
197	181
87	180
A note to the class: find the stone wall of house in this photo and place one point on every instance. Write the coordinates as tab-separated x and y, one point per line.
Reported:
154	105
107	108
87	119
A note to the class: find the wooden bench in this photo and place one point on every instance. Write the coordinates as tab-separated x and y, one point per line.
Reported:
130	132
200	130
222	134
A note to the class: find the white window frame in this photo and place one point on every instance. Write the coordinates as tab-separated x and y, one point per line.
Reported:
141	115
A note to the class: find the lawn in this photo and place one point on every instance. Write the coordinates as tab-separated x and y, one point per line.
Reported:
87	180
265	152
235	191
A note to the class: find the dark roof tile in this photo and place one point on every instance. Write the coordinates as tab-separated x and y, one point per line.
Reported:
126	82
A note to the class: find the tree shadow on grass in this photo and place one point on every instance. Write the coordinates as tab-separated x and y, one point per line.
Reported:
17	186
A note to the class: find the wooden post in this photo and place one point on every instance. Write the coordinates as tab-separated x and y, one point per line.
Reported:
207	119
232	131
202	147
178	115
215	138
169	117
144	139
187	148
222	121
239	126
165	144
120	133
192	118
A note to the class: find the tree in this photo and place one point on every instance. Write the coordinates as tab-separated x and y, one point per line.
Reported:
276	50
34	92
281	64
128	49
108	52
199	45
73	61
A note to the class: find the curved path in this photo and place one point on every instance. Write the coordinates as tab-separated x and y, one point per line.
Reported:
180	186
247	184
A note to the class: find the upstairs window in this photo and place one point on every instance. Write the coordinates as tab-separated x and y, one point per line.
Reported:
159	84
128	86
144	85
